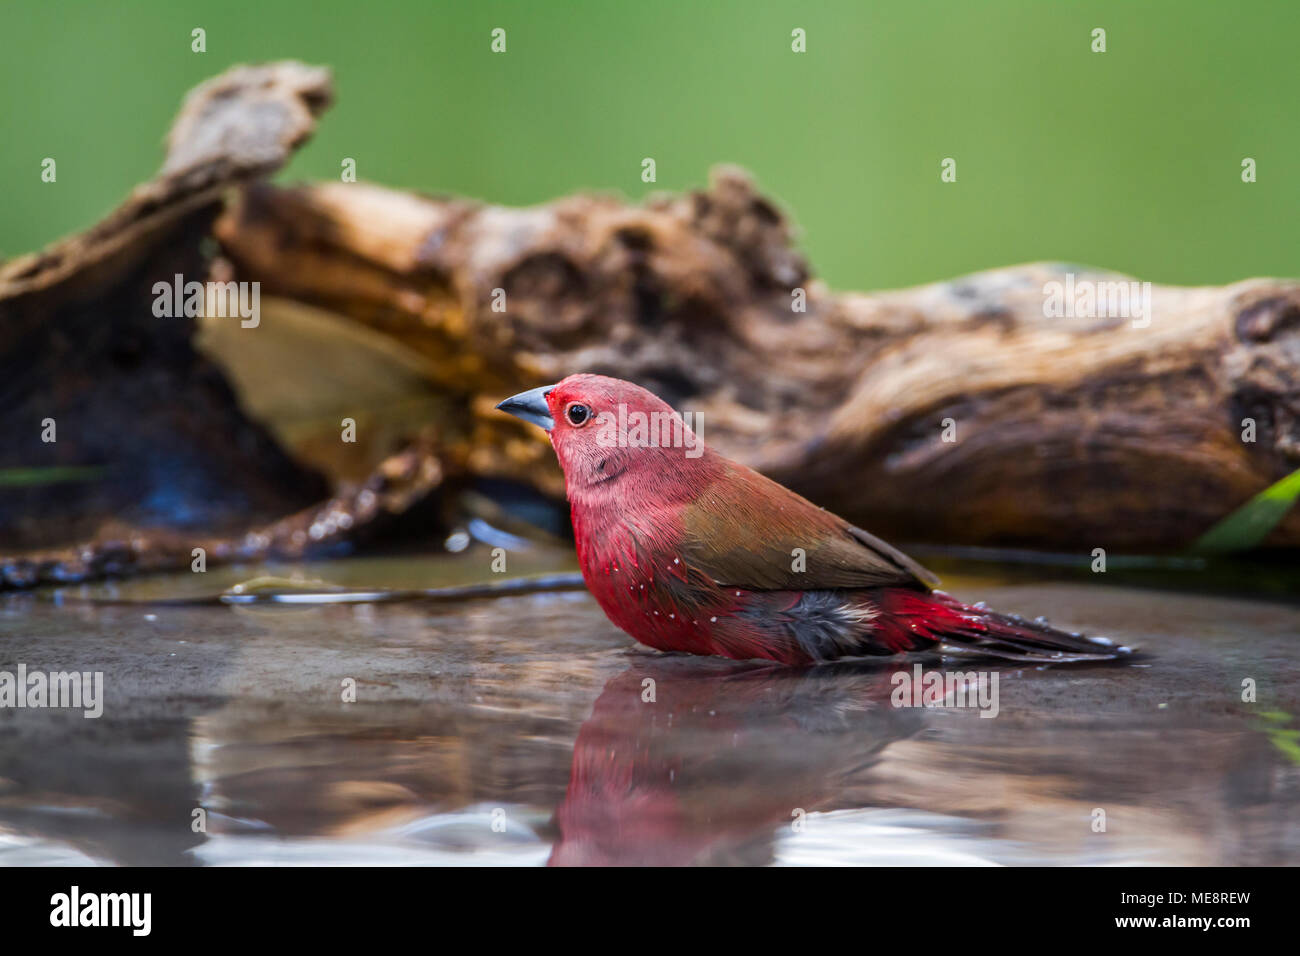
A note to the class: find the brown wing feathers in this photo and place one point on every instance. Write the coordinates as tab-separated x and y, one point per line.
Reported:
745	530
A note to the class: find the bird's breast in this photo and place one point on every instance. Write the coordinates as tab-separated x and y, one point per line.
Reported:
639	577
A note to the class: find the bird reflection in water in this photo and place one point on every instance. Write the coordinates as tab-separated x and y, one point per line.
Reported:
687	761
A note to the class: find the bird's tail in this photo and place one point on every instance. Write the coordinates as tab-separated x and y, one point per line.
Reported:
914	619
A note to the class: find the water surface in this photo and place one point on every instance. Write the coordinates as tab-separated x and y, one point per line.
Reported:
521	731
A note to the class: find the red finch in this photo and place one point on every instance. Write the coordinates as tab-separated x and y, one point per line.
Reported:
686	550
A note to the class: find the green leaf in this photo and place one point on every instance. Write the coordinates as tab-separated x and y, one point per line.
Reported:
1250	524
49	476
1285	739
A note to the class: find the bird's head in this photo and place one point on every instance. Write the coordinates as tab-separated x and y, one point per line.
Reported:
606	431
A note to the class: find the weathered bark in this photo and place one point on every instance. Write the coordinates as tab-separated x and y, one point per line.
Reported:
127	392
357	512
1070	433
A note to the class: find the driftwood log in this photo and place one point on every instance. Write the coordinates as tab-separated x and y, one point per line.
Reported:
955	413
1068	433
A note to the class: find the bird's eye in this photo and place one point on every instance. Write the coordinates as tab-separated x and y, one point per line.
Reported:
577	413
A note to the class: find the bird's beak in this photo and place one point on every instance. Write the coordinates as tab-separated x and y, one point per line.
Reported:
531	406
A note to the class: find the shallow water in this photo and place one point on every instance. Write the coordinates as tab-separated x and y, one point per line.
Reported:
518	731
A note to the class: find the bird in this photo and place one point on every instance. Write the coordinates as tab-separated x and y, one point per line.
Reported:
688	551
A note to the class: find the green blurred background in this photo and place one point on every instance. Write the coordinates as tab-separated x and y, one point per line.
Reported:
1130	159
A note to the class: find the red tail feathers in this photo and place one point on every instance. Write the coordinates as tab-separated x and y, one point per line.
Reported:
912	620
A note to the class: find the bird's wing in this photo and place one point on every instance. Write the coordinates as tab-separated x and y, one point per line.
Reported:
745	530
